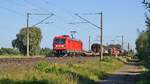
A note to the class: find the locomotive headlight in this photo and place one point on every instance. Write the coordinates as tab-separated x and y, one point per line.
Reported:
62	45
56	45
59	46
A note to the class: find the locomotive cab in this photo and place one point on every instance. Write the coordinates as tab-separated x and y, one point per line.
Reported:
59	46
59	43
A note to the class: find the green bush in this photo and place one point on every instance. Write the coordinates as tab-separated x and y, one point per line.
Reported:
44	66
56	70
46	52
9	51
143	78
41	65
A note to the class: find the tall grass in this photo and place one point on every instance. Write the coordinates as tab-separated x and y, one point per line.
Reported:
89	72
34	76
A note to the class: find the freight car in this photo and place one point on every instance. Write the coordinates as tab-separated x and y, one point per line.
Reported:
95	48
65	46
107	50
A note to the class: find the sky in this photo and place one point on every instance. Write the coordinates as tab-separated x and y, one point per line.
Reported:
120	17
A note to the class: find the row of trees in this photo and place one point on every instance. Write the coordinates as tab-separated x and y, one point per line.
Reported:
143	41
14	51
9	51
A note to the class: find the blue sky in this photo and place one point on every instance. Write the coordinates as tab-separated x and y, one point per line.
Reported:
121	17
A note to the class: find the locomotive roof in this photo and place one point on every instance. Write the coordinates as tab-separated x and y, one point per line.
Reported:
66	36
62	36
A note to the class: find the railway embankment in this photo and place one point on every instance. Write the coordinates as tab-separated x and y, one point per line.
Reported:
44	72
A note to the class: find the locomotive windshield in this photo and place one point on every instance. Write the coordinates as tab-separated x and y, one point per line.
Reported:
59	41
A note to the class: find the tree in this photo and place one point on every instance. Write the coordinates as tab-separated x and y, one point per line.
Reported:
147	4
142	45
143	41
35	37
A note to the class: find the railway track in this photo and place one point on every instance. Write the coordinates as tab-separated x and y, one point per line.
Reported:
49	59
19	60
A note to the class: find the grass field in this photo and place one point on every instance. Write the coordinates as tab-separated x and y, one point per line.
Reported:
89	72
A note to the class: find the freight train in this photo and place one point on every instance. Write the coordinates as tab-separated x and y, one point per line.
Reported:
65	46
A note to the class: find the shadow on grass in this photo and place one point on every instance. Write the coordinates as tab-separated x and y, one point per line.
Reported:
143	78
119	79
34	81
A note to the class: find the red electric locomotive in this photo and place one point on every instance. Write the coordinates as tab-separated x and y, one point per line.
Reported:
65	46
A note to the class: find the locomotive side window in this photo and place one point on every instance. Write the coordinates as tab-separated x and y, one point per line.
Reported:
59	41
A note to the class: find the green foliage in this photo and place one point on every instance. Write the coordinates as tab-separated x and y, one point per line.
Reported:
41	65
44	66
46	52
142	45
9	51
35	37
146	3
143	78
54	69
143	41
